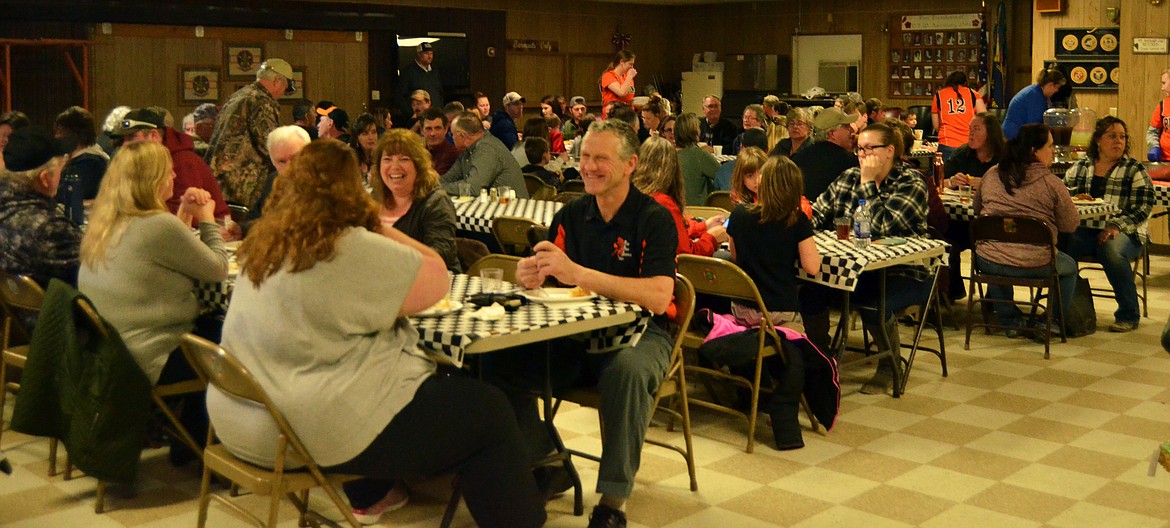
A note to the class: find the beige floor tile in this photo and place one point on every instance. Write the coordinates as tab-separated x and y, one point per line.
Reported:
1084	366
980	380
714	486
815	451
1116	444
1021	502
1014	445
1134	499
825	485
1139	375
655	507
1042	429
1090	462
945	431
1037	389
1150	410
868	465
852	434
1126	389
758	469
1069	414
842	516
947	390
942	483
777	506
882	418
899	504
1139	427
1013	403
965	515
1009	369
1087	515
979	416
1064	378
716	516
30	502
907	447
978	463
1100	401
1058	481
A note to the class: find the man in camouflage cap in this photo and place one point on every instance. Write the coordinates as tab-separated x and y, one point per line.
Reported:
35	238
238	155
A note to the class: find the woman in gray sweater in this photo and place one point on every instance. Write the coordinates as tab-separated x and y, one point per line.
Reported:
1023	185
140	263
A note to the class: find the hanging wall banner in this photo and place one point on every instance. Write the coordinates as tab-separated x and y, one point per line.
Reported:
952	21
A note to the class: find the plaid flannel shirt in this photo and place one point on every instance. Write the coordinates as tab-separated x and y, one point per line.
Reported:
898	208
1128	186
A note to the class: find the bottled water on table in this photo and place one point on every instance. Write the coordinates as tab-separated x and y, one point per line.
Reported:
861	230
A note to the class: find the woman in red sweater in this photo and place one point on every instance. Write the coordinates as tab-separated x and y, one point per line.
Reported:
659	175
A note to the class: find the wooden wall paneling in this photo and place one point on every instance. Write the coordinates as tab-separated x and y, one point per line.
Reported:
534	75
584	73
1138	92
1077	14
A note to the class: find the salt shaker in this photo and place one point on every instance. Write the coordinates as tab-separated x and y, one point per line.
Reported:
483	195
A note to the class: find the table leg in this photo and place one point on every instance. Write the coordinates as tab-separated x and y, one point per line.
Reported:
562	453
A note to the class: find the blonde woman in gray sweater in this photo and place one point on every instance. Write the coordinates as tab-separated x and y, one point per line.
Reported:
1023	185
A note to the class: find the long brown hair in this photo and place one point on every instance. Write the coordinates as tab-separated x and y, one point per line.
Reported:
622	55
312	204
658	170
781	186
749	160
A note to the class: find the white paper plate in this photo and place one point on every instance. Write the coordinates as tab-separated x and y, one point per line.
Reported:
1095	201
461	199
439	309
555	295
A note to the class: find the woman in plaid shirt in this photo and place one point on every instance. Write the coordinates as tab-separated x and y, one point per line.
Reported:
1109	173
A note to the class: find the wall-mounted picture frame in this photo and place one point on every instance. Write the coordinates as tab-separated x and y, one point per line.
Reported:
299	79
242	61
199	84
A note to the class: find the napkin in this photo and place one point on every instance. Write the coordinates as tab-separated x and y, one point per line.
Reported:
489	313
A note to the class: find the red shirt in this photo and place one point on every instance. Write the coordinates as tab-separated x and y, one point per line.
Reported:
1161	121
693	238
955	108
608	96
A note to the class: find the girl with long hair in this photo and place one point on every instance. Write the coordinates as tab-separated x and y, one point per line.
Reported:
659	175
319	317
363	137
617	81
1022	185
745	177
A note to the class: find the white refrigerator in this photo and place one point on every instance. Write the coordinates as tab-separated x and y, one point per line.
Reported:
696	86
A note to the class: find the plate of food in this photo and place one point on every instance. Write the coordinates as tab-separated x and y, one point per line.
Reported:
443	307
461	199
559	295
1085	199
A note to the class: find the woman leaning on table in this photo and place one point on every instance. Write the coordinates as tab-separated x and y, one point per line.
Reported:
338	355
1110	174
1022	185
407	187
140	264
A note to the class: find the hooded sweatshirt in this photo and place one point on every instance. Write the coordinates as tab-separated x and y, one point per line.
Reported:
191	171
1041	195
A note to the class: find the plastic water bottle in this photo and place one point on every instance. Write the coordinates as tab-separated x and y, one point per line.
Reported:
861	225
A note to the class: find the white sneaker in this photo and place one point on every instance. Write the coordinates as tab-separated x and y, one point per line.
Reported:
398	497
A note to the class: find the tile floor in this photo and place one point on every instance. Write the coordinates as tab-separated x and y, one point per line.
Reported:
1008	440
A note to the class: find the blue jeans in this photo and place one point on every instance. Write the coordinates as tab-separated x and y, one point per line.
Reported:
1066	268
1116	256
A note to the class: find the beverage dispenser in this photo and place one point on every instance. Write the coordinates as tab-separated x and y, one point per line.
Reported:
1084	121
1061	121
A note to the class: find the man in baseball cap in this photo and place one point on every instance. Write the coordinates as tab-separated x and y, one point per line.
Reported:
575	126
138	123
237	154
36	239
334	124
418	75
280	67
504	121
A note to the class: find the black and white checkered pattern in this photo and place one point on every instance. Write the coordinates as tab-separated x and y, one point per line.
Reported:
1161	195
1092	214
451	334
477	216
842	263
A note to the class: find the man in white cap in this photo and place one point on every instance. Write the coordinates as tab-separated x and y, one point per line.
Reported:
238	156
504	121
419	75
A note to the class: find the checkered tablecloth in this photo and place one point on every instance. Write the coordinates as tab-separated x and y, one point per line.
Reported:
477	216
1161	195
1092	215
215	296
451	334
842	263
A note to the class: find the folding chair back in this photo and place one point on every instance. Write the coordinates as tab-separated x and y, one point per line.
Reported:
702	211
1025	230
511	234
720	199
567	196
722	278
537	189
19	296
227	374
574	185
507	263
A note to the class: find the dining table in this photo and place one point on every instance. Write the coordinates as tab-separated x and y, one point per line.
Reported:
476	216
1093	213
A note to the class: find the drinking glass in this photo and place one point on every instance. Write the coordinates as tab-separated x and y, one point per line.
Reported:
493	279
965	193
464	189
843	224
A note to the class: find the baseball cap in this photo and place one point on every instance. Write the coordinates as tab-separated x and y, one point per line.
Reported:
771	100
512	98
138	119
577	100
832	118
284	69
340	117
31	147
425	46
